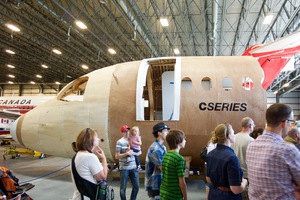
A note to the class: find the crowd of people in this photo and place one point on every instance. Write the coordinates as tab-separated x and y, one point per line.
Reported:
256	163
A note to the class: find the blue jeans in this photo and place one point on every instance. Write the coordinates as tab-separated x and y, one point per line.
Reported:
135	182
137	161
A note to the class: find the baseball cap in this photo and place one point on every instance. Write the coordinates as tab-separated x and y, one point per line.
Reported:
124	128
159	127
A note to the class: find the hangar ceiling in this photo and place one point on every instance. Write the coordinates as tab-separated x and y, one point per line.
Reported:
132	28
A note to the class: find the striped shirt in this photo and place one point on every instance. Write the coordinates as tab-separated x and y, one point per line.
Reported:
273	168
173	168
128	162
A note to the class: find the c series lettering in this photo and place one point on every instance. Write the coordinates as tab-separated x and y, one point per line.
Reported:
211	106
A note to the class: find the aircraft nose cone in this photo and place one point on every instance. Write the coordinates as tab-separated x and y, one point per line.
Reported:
15	130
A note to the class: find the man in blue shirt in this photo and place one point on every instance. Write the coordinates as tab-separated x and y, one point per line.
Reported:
154	157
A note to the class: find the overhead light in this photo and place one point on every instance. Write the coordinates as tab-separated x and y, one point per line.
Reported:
32	82
56	51
11	76
10	82
10	66
275	92
164	22
58	83
38	76
81	25
268	19
9	51
112	51
69	76
13	27
176	51
286	85
84	66
45	66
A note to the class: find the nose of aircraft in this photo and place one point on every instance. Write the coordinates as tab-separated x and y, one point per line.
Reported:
15	130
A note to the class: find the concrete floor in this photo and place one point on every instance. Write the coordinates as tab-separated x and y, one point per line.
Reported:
52	178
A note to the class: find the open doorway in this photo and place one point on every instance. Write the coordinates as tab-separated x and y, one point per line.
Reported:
158	90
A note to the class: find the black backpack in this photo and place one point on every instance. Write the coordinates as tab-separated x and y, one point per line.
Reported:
89	189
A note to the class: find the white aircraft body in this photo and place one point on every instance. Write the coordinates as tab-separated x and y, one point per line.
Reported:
12	107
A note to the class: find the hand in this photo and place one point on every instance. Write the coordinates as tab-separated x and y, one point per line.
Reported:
100	153
129	152
297	193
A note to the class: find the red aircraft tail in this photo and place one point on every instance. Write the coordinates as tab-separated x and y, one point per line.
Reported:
274	56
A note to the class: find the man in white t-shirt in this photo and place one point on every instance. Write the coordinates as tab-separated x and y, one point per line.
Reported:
242	140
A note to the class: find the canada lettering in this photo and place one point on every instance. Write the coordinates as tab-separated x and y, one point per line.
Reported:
15	102
211	106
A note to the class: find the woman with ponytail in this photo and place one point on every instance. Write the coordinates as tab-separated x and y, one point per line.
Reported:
224	173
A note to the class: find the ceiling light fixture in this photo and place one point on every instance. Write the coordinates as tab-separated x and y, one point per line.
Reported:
38	76
286	85
32	82
268	19
275	92
112	51
13	27
10	66
164	22
84	66
10	82
44	66
81	25
56	51
58	83
176	51
11	76
9	51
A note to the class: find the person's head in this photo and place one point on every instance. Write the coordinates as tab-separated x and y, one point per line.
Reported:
87	140
125	130
222	133
160	130
257	132
134	131
280	116
294	133
176	138
248	124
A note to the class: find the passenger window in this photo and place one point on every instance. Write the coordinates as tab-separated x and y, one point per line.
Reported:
186	83
247	83
206	83
227	84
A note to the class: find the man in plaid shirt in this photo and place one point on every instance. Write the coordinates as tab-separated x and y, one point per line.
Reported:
273	165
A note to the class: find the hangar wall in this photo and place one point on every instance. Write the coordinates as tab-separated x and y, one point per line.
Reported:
292	98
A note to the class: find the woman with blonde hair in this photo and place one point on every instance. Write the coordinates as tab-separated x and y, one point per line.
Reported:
224	173
86	160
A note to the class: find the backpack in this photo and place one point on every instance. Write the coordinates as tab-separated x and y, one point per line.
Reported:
9	185
89	189
9	182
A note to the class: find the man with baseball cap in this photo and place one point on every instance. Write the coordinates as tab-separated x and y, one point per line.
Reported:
154	157
127	165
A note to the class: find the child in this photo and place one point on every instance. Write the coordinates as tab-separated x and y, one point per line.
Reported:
135	144
173	184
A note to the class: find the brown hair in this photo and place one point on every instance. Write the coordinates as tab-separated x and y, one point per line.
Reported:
85	139
220	133
277	113
175	137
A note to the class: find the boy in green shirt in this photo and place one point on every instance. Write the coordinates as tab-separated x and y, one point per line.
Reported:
173	183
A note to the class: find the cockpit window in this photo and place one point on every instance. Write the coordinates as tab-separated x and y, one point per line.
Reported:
74	91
